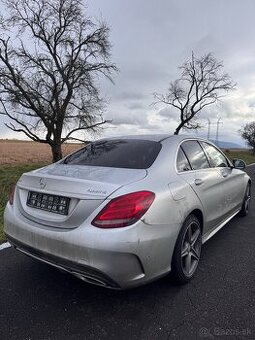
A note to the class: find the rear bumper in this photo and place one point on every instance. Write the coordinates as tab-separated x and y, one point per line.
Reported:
83	272
116	258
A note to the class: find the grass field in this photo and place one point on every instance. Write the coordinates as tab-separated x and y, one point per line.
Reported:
245	155
9	174
19	157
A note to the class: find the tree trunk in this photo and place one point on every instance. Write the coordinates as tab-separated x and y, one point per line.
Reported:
56	152
178	128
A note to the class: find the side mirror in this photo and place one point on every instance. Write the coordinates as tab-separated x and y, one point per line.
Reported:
239	164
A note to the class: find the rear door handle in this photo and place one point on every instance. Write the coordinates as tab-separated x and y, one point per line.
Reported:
198	181
224	174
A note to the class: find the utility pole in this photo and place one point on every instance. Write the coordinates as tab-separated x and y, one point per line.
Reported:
217	131
209	128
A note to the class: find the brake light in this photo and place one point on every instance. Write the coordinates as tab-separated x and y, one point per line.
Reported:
11	194
124	210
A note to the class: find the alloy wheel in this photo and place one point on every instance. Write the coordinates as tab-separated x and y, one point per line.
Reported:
191	248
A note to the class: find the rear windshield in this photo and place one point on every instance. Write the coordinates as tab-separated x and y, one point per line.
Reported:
121	153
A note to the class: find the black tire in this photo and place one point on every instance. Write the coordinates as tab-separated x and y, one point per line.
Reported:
187	250
246	201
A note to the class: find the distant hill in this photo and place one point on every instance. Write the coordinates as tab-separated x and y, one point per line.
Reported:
227	145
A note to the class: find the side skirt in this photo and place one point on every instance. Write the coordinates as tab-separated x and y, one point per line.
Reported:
209	234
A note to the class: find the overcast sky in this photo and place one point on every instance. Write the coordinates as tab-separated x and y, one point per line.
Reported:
152	38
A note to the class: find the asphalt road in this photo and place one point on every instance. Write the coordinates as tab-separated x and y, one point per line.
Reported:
39	302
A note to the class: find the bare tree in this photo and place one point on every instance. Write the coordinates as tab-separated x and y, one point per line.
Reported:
202	83
51	56
248	134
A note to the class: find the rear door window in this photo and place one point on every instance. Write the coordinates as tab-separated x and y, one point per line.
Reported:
195	155
117	153
182	162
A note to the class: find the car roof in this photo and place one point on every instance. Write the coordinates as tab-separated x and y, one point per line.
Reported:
155	137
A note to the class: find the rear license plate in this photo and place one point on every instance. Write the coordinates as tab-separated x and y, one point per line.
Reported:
52	203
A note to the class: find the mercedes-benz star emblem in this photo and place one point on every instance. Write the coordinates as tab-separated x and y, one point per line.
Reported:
42	183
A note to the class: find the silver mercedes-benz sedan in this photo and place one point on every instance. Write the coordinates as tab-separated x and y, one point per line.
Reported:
121	212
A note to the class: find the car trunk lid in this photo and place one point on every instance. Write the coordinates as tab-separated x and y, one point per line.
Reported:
85	186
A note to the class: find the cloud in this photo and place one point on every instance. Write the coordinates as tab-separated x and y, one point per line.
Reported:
168	113
129	95
151	40
124	116
135	106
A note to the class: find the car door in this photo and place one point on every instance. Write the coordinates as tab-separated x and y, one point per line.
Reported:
231	179
206	181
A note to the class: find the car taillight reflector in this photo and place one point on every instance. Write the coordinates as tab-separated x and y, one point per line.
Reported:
124	210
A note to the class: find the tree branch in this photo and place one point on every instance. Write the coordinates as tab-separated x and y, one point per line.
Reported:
202	83
82	128
53	79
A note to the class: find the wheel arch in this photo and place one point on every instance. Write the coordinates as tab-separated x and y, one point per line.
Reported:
199	215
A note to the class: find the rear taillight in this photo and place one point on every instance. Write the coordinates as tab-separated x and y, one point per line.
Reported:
124	210
11	194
